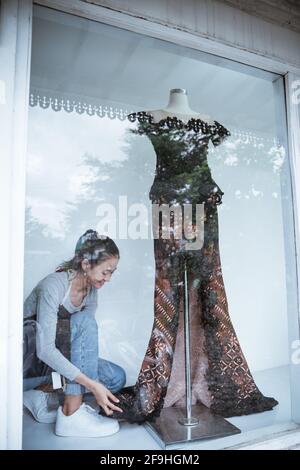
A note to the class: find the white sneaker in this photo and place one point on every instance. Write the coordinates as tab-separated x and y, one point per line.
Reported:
85	422
37	403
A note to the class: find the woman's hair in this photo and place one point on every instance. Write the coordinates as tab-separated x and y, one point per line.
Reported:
92	247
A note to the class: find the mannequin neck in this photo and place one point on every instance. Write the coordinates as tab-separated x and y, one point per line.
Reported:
178	104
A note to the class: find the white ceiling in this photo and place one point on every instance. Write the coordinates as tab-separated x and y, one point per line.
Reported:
285	13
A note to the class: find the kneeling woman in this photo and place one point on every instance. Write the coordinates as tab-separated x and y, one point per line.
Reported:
64	305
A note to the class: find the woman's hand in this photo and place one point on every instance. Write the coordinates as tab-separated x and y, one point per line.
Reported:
105	398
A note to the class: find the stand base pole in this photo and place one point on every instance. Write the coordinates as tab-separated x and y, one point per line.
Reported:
188	421
167	431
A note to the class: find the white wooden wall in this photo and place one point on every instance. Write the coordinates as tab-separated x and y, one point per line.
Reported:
222	22
15	45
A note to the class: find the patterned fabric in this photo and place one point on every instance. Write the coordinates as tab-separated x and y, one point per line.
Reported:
32	365
220	375
63	332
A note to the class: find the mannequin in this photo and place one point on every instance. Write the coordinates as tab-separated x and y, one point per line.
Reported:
220	377
178	106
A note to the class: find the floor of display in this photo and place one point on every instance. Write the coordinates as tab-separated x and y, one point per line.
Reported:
272	382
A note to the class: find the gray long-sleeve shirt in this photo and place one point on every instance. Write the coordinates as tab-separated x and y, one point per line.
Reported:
44	301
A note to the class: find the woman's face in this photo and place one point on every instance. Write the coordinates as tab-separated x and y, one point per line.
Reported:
101	273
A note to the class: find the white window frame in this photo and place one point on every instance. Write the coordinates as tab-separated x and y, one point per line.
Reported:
15	54
12	176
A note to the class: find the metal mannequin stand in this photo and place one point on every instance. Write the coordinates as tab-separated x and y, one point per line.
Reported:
194	422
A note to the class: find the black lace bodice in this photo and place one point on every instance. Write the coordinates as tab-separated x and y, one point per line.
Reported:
182	172
172	122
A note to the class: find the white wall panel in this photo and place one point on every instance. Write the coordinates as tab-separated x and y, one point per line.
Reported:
222	22
15	47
